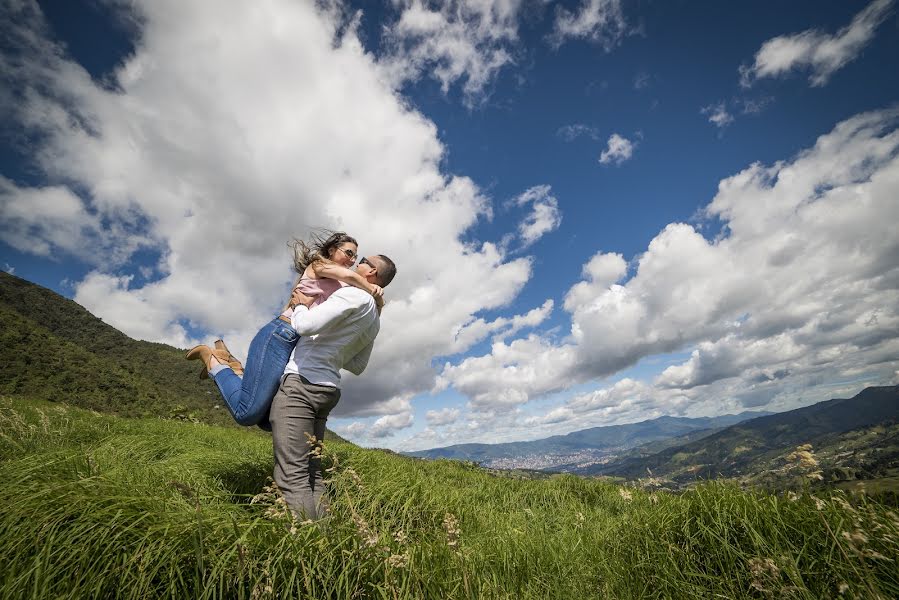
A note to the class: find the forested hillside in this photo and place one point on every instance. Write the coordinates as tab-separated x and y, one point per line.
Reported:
53	348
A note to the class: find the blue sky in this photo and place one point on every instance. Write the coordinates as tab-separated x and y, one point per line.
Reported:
601	211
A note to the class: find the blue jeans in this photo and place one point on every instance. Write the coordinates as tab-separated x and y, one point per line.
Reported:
250	398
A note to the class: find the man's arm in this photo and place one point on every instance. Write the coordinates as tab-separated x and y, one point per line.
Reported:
358	363
333	310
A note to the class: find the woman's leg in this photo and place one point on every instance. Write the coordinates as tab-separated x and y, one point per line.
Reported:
249	398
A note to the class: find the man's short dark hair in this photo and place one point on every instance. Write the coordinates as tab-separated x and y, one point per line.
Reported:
386	270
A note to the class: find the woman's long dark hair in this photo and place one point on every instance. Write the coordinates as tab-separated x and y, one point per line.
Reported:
319	246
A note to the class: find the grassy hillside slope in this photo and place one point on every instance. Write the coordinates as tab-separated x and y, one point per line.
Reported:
52	348
100	506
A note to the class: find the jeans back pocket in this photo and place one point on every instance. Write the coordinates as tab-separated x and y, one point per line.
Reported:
287	333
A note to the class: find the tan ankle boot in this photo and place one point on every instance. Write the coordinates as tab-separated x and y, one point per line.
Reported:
231	360
205	354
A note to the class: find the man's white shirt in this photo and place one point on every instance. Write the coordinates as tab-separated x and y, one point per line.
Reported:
337	334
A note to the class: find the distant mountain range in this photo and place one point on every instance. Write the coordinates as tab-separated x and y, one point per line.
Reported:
858	436
581	449
855	441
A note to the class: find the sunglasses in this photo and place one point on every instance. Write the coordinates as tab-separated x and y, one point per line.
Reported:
365	261
349	253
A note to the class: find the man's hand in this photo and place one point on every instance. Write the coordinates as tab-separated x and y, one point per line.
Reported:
299	297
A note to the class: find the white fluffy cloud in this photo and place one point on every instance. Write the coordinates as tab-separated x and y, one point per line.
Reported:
476	330
229	130
800	290
718	115
723	113
454	40
534	317
445	416
388	425
618	150
823	54
44	220
512	373
472	41
356	429
544	216
599	21
469	42
144	312
601	271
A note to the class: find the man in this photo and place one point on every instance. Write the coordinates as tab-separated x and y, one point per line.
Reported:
337	334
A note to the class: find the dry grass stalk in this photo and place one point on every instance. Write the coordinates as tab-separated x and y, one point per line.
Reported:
453	532
764	575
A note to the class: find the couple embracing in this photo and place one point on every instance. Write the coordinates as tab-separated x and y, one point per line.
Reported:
292	376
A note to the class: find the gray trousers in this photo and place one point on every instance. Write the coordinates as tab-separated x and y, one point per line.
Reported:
298	414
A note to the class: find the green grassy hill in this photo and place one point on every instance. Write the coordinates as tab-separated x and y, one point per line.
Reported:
52	348
97	506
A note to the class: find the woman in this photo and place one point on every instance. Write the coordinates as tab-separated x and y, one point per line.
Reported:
323	266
